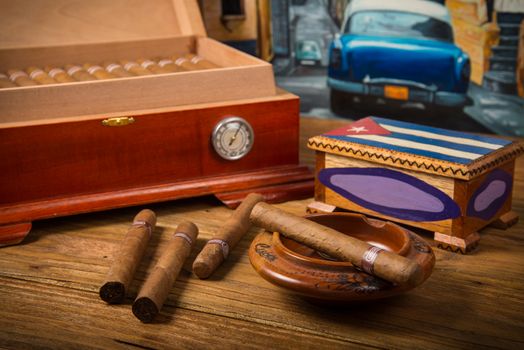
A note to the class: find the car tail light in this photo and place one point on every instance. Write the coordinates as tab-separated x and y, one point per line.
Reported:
335	60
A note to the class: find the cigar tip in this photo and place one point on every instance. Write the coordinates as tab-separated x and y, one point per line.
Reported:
146	215
145	309
202	269
112	292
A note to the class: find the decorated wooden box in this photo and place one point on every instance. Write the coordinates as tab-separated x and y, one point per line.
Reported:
448	182
105	104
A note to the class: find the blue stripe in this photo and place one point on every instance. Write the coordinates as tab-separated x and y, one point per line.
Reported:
404	149
487	139
446	144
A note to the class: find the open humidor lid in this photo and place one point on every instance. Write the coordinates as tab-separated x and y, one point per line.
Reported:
420	148
29	23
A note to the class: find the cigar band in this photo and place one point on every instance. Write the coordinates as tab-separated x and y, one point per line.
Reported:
164	62
179	61
184	236
18	74
73	70
93	69
368	259
146	224
53	72
196	59
223	244
111	67
36	73
130	65
147	63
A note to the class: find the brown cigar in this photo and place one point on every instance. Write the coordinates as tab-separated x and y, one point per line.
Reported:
389	266
152	66
158	284
38	75
128	257
200	62
169	65
59	75
116	69
78	73
217	249
135	68
20	78
183	63
98	72
5	82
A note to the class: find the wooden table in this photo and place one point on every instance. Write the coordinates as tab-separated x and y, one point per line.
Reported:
49	291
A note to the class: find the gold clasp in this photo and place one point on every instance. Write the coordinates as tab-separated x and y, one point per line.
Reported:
118	121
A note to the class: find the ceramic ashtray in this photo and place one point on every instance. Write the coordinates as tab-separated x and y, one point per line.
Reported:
303	270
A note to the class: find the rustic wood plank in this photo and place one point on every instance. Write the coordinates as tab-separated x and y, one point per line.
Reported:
49	291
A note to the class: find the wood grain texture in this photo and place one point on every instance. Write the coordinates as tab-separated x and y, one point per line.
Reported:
49	286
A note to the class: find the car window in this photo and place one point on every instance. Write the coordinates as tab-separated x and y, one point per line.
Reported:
398	24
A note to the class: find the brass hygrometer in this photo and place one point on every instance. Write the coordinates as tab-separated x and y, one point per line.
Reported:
232	138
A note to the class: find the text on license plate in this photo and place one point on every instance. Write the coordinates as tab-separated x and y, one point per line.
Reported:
396	92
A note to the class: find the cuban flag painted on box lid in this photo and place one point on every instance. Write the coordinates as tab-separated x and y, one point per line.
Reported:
446	145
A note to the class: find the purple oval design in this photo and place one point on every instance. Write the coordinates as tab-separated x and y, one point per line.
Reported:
391	192
491	195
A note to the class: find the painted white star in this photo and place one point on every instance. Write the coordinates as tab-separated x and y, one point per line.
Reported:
358	129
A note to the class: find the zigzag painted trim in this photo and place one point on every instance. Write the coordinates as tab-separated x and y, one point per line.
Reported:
420	165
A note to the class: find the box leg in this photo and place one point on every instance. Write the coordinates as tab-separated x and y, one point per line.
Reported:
14	233
505	221
457	244
319	207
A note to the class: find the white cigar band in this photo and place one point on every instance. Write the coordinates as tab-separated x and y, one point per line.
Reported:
130	65
184	236
18	74
36	73
73	70
223	244
93	69
179	61
164	62
196	59
146	224
147	63
111	67
53	72
369	258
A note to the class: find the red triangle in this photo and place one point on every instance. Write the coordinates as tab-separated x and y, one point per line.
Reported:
366	126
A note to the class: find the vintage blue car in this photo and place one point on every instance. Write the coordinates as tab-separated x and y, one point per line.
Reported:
397	50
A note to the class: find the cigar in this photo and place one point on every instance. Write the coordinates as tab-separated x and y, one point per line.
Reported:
217	249
116	69
200	62
20	78
373	260
183	63
128	257
169	65
78	73
98	72
158	284
5	82
152	66
135	68
38	75
59	75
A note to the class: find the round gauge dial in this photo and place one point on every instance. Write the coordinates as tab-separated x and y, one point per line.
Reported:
232	138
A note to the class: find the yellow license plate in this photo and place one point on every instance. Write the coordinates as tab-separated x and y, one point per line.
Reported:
396	92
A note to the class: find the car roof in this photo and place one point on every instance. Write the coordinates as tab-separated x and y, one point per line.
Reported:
423	7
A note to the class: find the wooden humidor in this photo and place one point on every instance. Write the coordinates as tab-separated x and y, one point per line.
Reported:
448	182
93	145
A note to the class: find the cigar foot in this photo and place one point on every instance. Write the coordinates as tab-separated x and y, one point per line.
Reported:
112	292
145	309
